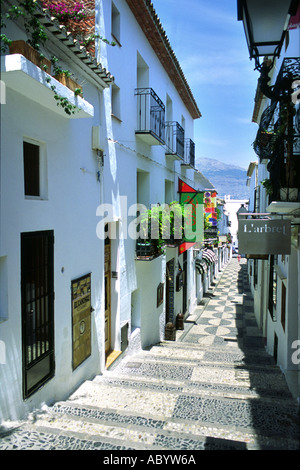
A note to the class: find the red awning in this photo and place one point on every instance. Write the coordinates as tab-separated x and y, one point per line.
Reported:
185	188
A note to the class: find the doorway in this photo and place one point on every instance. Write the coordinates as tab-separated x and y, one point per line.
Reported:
37	296
184	291
170	291
107	294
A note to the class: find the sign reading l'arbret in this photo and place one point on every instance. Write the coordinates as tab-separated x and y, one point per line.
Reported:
264	237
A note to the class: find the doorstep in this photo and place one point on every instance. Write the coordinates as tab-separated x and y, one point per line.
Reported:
111	357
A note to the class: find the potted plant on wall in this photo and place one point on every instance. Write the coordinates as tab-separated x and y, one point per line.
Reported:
172	222
65	77
30	49
150	243
31	54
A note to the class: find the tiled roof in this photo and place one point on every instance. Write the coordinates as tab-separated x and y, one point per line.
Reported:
150	24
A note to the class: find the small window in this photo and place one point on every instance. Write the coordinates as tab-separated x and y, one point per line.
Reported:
31	157
115	23
115	102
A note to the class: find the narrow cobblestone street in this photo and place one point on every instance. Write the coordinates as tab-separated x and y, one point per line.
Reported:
215	388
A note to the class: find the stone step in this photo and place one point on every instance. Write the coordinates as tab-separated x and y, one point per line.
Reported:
150	420
229	346
201	371
181	395
176	436
229	349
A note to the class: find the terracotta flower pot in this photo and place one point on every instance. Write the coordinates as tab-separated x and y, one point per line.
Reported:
21	47
68	82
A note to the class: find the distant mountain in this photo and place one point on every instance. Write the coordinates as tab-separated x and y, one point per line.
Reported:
227	179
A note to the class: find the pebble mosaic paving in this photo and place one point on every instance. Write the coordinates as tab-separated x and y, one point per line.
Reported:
215	388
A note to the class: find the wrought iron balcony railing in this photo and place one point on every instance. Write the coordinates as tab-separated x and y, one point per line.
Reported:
174	140
189	153
147	249
280	120
150	116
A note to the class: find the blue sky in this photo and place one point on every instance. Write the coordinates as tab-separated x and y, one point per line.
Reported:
211	48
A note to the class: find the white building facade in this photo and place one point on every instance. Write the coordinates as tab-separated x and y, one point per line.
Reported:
275	278
51	325
150	149
76	291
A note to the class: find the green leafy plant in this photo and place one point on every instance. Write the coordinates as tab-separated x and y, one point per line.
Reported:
33	27
57	70
164	224
37	36
62	101
86	42
5	42
268	185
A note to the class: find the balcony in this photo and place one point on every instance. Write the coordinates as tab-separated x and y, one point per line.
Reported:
174	140
280	122
189	154
22	76
147	250
160	226
150	117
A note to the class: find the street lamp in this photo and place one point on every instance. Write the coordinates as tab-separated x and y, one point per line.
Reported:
265	23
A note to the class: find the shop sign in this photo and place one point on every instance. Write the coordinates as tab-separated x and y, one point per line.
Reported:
81	319
264	237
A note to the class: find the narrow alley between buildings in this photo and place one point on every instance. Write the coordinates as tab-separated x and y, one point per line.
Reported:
214	388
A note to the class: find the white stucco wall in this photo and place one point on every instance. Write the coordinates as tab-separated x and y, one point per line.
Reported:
127	155
71	194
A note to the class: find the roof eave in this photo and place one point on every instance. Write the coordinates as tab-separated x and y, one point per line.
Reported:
150	24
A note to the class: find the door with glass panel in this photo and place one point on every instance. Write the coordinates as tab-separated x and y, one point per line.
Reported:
37	293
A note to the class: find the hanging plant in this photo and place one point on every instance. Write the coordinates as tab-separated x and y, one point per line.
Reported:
62	101
268	185
91	39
